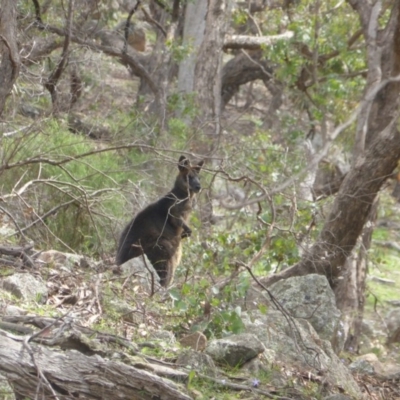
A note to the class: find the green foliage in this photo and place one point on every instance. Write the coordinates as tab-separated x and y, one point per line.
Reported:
337	84
183	105
79	189
179	51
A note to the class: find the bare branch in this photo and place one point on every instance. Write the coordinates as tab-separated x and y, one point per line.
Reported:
253	42
54	77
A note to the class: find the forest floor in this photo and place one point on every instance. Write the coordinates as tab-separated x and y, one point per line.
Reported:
109	96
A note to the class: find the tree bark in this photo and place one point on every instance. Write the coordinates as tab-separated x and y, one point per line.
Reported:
243	68
9	56
32	369
253	42
350	291
208	69
193	34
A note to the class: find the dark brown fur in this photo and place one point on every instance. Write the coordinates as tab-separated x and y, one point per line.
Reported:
158	229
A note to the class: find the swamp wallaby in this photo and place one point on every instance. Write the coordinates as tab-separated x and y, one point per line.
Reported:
158	229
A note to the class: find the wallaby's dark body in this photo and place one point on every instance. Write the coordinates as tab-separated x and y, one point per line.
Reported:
158	229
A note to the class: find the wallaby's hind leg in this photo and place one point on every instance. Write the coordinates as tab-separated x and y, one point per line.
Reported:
127	249
163	256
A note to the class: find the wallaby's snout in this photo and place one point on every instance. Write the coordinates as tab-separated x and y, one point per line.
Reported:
195	186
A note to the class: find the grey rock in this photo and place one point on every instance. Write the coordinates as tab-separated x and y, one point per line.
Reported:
9	309
383	281
126	311
197	361
367	364
165	336
59	260
29	111
394	303
26	286
392	320
311	297
297	345
362	367
367	328
235	350
142	272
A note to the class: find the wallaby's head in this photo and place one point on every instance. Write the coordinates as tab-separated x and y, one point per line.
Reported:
188	178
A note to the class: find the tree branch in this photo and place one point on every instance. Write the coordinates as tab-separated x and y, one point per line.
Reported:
253	42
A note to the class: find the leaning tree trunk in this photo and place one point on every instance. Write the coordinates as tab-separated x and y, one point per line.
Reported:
350	291
373	163
9	56
35	371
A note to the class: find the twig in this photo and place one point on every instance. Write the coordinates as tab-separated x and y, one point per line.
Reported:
151	20
54	77
127	26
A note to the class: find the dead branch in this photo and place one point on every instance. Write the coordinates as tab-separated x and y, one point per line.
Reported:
40	159
253	42
19	252
54	77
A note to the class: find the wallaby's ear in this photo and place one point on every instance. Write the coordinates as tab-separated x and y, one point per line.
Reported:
197	168
183	164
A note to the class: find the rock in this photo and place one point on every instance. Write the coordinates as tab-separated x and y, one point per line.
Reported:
367	328
254	366
235	350
311	297
142	272
394	303
367	364
25	286
383	281
165	336
392	320
127	312
197	341
59	260
9	309
298	347
197	361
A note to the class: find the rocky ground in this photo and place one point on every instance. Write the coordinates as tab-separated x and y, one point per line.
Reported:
290	349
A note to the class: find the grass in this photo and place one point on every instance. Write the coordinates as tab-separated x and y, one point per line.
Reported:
384	264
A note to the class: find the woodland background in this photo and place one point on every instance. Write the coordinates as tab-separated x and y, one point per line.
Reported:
293	105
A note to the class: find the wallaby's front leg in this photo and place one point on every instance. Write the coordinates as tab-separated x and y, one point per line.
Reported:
187	232
178	222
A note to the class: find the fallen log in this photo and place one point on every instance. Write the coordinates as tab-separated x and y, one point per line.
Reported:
33	369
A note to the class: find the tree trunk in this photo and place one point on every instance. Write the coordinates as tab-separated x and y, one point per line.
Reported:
373	165
193	34
208	69
9	56
350	211
350	291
